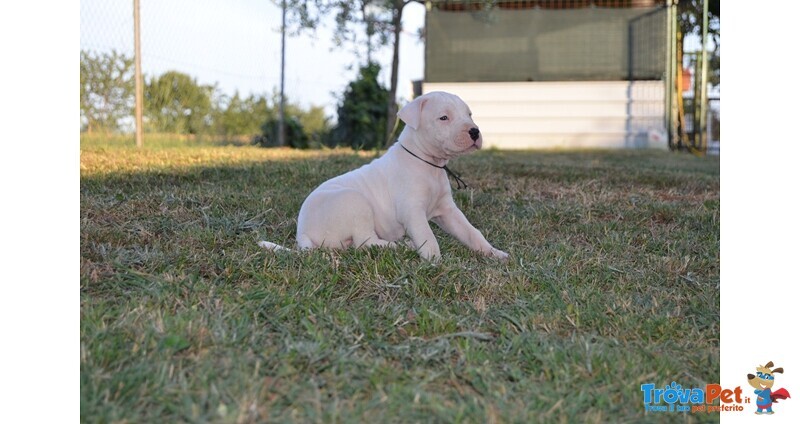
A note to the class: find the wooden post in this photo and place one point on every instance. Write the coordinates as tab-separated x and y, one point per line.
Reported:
138	74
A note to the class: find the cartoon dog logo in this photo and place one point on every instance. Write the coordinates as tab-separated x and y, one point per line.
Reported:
762	382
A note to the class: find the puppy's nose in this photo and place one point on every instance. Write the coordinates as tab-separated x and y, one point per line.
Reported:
474	133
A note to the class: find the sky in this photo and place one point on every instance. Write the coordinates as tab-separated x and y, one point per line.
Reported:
236	44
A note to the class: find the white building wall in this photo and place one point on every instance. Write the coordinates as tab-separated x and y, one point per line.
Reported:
565	114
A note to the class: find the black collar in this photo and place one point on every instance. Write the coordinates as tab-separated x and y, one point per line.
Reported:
459	181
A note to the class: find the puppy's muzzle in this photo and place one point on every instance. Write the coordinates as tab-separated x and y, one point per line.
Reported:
474	133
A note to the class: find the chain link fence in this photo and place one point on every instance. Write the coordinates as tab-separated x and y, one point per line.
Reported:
224	43
211	68
483	41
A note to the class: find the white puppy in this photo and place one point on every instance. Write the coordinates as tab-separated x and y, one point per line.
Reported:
398	193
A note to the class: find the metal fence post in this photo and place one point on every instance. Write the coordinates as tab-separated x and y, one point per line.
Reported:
282	111
703	106
138	75
668	78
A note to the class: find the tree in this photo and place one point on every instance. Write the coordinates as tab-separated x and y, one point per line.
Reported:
234	116
354	17
315	124
362	112
175	103
381	18
396	7
230	118
107	88
690	18
690	21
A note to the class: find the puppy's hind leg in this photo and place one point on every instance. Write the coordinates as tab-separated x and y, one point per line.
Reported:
372	240
304	242
363	225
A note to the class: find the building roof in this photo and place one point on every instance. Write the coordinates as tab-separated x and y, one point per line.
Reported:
477	5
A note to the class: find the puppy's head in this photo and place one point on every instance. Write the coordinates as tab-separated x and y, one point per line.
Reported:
443	122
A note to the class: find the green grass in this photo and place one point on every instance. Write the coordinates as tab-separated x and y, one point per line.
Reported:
613	282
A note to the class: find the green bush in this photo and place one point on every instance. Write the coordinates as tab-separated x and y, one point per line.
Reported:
362	112
296	136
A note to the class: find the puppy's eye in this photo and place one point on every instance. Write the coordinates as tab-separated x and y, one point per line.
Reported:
443	118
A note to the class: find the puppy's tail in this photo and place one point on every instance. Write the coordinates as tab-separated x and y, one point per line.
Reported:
273	247
303	242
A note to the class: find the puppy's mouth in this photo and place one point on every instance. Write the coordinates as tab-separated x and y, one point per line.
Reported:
476	145
472	147
458	150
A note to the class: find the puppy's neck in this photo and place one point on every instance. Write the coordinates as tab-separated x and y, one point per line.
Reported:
410	141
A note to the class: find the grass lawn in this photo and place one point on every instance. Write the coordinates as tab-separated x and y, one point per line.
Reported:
613	282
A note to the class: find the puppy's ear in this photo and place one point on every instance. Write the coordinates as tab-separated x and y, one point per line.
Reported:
411	113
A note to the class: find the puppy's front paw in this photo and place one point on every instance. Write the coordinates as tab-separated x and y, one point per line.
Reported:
498	254
430	255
